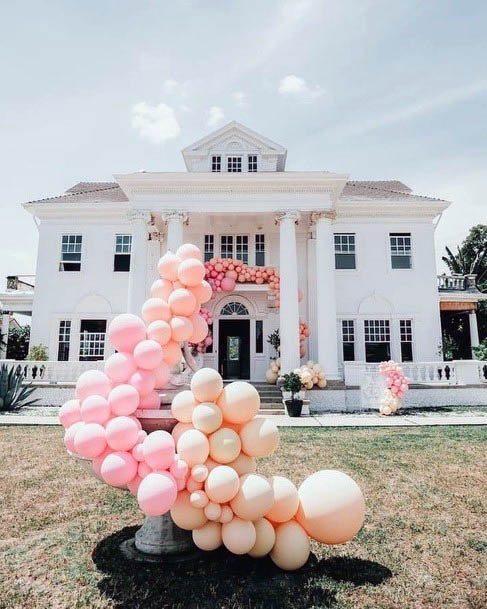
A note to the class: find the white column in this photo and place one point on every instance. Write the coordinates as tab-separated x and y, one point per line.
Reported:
289	311
474	330
4	334
325	294
175	222
137	288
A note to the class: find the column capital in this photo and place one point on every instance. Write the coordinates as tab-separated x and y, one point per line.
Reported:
134	215
175	214
290	214
329	214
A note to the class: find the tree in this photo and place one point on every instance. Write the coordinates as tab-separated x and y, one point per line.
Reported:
18	343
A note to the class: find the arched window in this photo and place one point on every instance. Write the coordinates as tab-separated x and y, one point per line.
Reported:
234	308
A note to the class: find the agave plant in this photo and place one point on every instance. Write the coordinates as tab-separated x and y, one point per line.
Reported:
13	394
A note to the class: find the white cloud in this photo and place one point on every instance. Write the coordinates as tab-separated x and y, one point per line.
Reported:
239	98
296	86
155	123
215	116
174	87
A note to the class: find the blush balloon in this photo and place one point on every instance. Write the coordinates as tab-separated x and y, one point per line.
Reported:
184	515
92	382
193	447
123	400
148	354
95	409
182	302
172	353
154	309
162	375
118	469
119	367
239	536
125	331
168	266
200	329
292	547
70	413
89	440
206	385
151	401
159	449
188	250
183	405
181	329
143	381
160	331
191	272
161	288
122	433
157	493
70	433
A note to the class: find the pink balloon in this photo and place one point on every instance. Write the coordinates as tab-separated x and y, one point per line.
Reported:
228	284
154	309
172	353
70	433
138	453
143	380
89	440
151	401
121	433
119	367
159	449
133	485
179	468
97	461
118	469
125	331
143	469
168	266
157	493
191	272
161	288
202	292
148	354
92	382
69	413
95	409
181	328
182	302
160	331
200	329
123	400
188	250
162	374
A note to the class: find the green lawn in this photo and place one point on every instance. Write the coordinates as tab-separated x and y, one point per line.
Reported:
423	544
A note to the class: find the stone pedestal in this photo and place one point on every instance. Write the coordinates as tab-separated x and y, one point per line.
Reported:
159	535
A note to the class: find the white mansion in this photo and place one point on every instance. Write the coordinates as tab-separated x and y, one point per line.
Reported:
361	253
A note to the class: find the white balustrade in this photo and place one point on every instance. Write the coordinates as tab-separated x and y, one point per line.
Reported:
52	371
420	373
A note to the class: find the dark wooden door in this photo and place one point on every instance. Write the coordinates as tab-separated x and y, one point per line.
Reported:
234	348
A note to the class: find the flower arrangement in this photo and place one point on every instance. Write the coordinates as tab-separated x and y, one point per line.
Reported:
397	384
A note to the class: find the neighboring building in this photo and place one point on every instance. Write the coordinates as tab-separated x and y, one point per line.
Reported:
361	252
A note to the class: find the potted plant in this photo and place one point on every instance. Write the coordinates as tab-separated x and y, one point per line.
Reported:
293	385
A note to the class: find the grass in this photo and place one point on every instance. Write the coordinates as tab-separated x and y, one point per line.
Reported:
423	544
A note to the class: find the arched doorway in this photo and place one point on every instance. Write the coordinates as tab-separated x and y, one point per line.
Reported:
234	341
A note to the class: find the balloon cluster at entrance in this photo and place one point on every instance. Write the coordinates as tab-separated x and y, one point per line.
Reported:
204	472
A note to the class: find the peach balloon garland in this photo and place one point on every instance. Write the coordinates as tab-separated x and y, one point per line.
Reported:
204	473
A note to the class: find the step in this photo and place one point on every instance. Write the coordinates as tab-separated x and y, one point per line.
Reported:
271	411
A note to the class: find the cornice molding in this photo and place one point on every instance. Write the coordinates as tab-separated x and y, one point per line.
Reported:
291	214
139	215
328	215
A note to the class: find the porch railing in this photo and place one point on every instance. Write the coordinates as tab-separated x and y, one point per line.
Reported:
456	283
52	372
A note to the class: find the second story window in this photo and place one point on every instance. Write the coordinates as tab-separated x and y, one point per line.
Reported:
401	251
252	162
71	253
260	250
242	249
209	247
216	163
123	251
345	251
226	246
234	164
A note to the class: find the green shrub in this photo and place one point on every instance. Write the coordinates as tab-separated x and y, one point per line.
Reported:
38	353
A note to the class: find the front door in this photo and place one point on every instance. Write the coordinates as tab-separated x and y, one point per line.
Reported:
234	348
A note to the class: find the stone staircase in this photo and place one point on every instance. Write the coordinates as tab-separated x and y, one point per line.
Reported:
270	399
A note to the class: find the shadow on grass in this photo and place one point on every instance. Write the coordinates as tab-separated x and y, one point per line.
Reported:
222	580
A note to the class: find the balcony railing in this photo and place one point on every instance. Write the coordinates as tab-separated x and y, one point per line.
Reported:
456	283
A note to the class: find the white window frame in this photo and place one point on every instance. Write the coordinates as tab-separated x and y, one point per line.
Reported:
234	237
393	234
62	262
123	249
408	334
346	333
208	246
346	250
234	161
216	163
263	251
252	165
64	337
91	345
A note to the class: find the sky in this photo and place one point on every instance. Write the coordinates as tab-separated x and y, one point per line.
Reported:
386	89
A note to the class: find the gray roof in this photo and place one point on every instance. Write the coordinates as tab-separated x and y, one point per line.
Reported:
89	191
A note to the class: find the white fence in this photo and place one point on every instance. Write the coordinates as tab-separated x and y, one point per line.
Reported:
52	372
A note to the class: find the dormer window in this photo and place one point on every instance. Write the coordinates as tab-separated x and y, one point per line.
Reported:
252	162
216	163
234	164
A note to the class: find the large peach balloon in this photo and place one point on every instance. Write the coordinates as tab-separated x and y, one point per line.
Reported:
184	515
148	354
222	484
260	437
181	328
265	538
161	288
160	331
162	375
207	417
331	507
168	266
120	366
123	399
286	499
193	447
208	537
203	292
254	498
154	309
243	464
172	353
224	445
191	272
206	385
179	429
157	493
183	405
239	402
182	302
200	329
143	380
188	250
92	382
239	536
125	331
292	547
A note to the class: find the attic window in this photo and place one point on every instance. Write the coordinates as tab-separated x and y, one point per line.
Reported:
216	163
252	160
234	164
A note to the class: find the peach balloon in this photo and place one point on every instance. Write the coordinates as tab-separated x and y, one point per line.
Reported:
210	464
159	449
168	266
125	331
208	537
154	309
95	409
143	380
172	353
191	272
199	472
92	382
292	547
224	445
89	440
148	354
193	447
260	437
243	464
70	413
226	515
207	417
286	500
182	302
206	385
183	405
120	366
160	331
213	511
122	433
162	375
118	469
203	292
265	538
178	468
198	499
181	329
150	401
161	288
254	498
123	400
239	536
179	429
222	484
193	486
331	507
184	515
239	402
188	250
200	329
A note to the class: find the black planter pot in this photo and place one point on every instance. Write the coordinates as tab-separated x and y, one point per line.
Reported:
294	407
